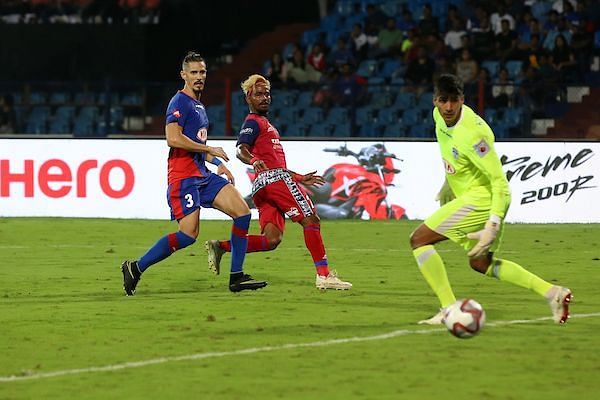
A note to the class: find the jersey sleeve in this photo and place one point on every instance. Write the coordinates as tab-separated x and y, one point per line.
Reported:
249	132
176	112
480	150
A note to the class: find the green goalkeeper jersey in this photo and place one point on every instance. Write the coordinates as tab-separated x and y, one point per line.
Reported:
471	163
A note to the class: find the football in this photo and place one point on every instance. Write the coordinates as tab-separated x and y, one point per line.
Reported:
464	318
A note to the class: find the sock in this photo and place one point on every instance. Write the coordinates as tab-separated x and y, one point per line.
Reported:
509	271
239	242
162	249
432	268
255	243
314	244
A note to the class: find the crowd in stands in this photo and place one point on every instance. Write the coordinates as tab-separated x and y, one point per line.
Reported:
80	11
525	52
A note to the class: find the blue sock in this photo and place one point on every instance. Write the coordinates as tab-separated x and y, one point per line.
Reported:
162	249
239	242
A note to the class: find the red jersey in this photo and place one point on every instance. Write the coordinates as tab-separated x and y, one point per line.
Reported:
263	139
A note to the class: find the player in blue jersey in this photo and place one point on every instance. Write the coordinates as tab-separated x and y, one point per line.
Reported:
192	185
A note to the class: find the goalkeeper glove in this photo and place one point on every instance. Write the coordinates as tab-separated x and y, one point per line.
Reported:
445	195
485	237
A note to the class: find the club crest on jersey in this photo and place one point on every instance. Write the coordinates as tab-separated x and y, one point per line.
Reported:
176	114
202	134
449	168
455	153
482	148
292	212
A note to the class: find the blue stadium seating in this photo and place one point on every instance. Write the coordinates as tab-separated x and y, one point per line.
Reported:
313	115
514	68
388	115
337	115
492	66
411	117
342	130
405	100
304	99
320	129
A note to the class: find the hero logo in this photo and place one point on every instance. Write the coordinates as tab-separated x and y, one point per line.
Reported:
55	171
246	131
449	168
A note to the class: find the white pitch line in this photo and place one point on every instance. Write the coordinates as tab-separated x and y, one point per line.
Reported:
252	350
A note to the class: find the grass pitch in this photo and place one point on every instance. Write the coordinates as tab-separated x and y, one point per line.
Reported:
67	331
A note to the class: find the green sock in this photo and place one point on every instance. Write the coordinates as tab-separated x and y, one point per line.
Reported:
432	268
509	271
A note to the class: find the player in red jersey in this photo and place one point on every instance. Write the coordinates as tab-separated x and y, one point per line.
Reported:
276	190
192	185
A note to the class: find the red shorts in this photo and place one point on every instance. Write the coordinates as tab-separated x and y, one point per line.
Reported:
279	198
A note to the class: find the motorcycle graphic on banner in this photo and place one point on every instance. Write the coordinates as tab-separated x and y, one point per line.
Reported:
355	190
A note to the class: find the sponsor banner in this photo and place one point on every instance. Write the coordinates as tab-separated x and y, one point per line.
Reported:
550	182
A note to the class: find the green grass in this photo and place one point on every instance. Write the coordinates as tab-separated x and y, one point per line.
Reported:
62	308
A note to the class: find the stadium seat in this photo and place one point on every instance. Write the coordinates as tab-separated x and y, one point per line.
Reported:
66	113
57	98
405	100
132	99
389	67
337	115
492	66
342	130
312	115
104	99
421	130
311	36
320	129
304	99
425	101
289	115
365	115
370	130
298	129
491	116
345	7
37	98
83	127
381	99
412	116
388	115
514	68
513	117
394	130
36	123
597	39
540	9
368	68
90	112
83	98
216	113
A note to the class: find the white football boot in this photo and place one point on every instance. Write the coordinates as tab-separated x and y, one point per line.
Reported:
331	281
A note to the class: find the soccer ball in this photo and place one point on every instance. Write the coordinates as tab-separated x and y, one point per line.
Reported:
464	318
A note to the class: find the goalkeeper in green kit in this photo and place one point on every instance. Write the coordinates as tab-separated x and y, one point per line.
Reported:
475	198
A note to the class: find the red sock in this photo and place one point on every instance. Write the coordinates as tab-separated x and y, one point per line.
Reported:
255	243
314	244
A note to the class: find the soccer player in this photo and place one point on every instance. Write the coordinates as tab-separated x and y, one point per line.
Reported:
476	196
192	185
276	190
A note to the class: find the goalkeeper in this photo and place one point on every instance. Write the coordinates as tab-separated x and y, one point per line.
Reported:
475	198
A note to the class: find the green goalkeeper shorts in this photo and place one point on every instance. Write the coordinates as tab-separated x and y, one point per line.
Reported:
465	214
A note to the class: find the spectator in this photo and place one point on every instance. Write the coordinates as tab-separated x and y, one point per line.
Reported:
348	89
375	17
299	71
475	22
453	38
583	47
341	55
275	70
503	90
467	68
419	73
506	42
560	29
317	58
8	116
406	22
563	60
560	5
390	40
497	17
483	41
483	79
408	49
359	38
531	51
428	25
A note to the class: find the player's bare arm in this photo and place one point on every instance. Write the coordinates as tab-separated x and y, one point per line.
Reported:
176	138
245	156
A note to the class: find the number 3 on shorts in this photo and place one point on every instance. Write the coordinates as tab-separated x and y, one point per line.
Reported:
190	200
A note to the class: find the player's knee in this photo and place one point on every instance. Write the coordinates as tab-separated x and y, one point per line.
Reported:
480	264
273	242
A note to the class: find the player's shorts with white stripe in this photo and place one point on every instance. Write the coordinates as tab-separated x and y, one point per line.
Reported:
465	214
282	197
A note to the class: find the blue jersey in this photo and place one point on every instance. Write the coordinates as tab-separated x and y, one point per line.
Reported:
190	114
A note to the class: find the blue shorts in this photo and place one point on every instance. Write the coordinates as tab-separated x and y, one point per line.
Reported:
187	195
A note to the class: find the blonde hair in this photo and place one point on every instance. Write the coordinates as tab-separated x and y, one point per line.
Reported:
252	80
